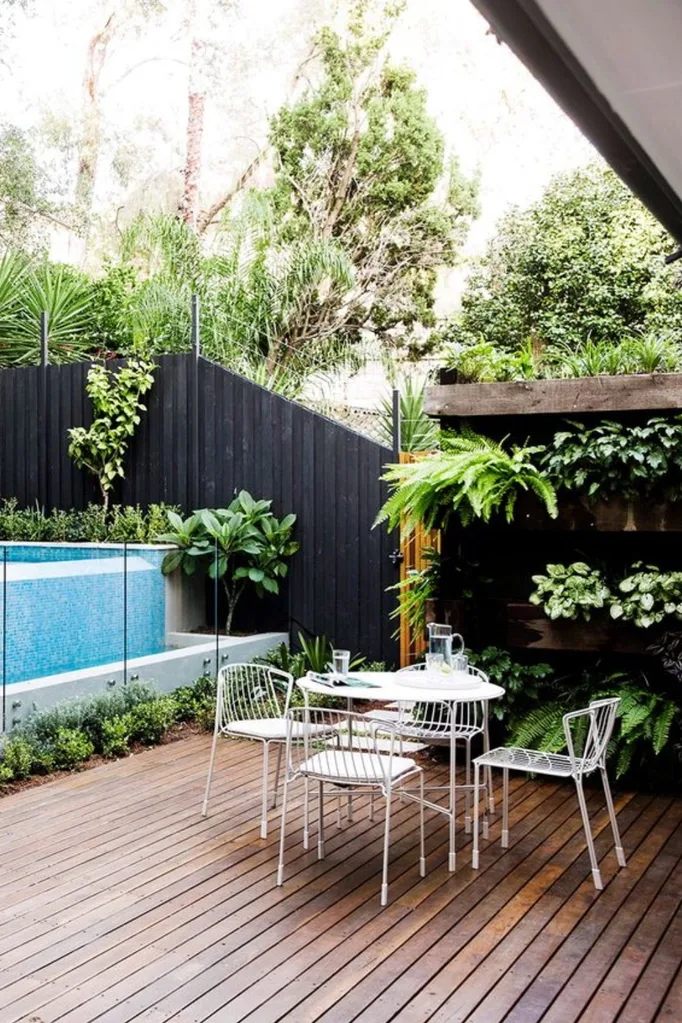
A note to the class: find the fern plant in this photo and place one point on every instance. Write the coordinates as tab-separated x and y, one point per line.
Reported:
643	727
474	477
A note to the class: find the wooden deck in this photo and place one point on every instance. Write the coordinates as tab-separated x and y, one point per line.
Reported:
119	902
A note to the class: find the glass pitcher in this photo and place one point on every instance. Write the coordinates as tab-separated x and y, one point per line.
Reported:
441	641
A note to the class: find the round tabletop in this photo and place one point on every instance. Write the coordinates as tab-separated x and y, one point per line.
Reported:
382	686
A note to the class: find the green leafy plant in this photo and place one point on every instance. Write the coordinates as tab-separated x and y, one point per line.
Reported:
116	399
149	722
193	701
483	362
643	729
415	590
524	684
116	736
571	591
474	477
647	596
243	544
417	431
69	748
618	458
585	261
282	657
17	759
94	524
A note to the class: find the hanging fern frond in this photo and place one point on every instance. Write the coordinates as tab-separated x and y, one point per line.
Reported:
474	477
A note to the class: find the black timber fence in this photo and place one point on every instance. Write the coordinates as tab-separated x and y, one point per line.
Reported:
207	434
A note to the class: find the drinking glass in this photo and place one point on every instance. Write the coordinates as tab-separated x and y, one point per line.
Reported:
341	662
434	663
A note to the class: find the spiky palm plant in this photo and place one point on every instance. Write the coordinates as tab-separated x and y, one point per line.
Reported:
417	431
474	477
62	293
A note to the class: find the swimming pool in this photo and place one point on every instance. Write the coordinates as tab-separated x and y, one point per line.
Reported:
66	607
77	619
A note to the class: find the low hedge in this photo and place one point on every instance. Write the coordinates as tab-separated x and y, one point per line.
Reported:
65	736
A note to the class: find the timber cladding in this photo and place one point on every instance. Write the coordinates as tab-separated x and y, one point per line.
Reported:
207	434
557	397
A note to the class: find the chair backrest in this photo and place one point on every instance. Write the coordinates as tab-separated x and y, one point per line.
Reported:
433	719
588	733
335	738
248	692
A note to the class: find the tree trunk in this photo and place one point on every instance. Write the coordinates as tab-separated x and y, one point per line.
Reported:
91	136
189	207
233	596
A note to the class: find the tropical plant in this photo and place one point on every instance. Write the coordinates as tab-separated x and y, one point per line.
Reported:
586	261
414	591
243	544
571	591
26	291
628	459
102	447
417	431
474	477
525	684
643	729
647	596
483	362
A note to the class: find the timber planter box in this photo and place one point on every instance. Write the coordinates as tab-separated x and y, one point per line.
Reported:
526	625
615	515
652	392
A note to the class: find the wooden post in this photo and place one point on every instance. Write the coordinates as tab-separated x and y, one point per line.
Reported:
412	549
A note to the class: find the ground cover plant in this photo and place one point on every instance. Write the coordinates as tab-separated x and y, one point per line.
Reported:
93	524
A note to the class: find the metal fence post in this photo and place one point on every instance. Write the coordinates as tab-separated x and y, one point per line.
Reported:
396	425
43	442
195	500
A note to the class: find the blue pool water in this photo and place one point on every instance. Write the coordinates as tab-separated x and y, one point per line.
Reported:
65	608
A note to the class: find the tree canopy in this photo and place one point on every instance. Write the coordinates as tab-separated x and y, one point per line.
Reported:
584	262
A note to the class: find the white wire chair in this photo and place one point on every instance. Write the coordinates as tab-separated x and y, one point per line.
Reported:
252	703
318	751
430	724
591	730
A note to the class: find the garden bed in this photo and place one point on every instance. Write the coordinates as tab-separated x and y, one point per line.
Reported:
615	515
623	393
526	625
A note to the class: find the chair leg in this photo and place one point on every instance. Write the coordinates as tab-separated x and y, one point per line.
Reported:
474	854
277	773
264	807
467	793
387	840
306	812
320	822
620	855
505	807
488	769
422	853
371	805
209	779
280	866
452	860
596	875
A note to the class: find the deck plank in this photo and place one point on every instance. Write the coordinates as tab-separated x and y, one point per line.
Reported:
119	903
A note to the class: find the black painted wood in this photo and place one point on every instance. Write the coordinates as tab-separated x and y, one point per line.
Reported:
248	438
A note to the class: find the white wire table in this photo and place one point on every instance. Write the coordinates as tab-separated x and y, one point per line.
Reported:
390	687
